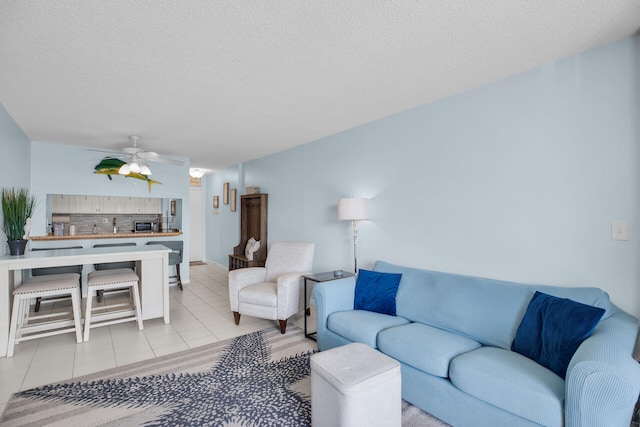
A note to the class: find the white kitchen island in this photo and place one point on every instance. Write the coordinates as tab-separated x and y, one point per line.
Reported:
152	268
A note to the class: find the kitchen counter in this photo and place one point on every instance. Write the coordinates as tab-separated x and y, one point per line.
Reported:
154	276
119	235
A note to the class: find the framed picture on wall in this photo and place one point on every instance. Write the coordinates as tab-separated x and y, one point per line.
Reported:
233	200
216	201
225	193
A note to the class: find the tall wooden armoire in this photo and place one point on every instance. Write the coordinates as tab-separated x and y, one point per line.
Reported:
253	223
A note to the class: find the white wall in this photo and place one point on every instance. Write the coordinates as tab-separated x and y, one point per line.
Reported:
517	180
15	168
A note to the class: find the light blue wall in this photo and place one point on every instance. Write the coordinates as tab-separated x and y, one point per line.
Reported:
15	170
68	169
222	226
517	180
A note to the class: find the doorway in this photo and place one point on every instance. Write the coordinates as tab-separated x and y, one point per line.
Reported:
196	225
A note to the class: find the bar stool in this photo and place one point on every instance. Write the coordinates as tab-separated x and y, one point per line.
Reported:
175	256
48	271
58	285
118	312
113	265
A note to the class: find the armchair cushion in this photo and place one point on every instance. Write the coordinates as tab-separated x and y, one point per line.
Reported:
263	293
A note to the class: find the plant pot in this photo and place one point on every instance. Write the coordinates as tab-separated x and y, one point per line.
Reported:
17	247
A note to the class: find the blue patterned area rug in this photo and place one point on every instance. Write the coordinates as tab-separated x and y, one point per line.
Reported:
259	379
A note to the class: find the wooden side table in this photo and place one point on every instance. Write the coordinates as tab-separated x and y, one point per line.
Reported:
327	276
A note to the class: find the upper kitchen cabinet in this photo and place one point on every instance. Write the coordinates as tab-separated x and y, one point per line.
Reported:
61	203
139	205
129	205
110	204
72	204
150	205
88	204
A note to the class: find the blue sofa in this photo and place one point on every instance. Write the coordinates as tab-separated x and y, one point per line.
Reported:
453	334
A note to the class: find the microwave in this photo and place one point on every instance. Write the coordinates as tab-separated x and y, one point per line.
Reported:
144	226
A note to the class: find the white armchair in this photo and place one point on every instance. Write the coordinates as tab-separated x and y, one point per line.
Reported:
273	291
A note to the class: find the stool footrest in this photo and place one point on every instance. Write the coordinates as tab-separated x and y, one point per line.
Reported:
45	326
113	315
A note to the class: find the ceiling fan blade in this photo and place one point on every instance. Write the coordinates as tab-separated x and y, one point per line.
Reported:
155	157
99	150
165	160
132	150
148	154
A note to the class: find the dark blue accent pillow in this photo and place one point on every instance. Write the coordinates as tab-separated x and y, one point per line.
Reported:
376	291
552	330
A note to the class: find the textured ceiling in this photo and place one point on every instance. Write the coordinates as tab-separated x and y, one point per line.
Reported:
223	82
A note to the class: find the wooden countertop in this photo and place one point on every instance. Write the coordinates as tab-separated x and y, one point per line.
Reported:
105	236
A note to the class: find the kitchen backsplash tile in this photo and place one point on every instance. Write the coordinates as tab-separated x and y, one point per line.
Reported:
85	222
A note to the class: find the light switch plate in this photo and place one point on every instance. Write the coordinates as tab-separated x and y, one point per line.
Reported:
619	230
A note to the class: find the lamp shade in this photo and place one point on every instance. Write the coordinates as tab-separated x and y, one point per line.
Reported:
353	209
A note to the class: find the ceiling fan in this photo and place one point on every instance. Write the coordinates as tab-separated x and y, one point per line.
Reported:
138	158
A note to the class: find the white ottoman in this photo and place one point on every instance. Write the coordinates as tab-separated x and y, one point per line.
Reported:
355	385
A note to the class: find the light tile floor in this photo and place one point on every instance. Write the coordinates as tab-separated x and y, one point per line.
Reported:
199	315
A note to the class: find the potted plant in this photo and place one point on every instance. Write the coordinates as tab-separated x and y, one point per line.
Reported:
17	209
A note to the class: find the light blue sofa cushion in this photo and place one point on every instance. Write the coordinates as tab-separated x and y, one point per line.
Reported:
485	310
361	325
424	347
511	382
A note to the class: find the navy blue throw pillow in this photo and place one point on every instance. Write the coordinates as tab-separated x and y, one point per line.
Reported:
552	330
376	291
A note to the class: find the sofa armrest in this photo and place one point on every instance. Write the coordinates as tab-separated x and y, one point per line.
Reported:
330	297
603	380
241	278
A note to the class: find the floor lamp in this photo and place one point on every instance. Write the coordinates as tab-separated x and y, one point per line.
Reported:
354	209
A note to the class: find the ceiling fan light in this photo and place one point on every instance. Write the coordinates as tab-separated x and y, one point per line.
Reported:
124	169
197	173
134	167
144	170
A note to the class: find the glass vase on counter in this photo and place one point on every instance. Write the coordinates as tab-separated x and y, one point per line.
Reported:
167	222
